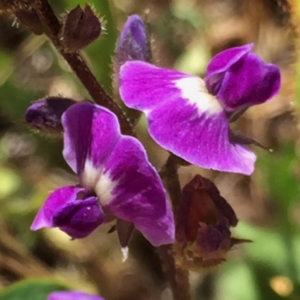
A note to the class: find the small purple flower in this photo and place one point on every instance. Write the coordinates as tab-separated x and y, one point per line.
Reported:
116	180
73	295
190	116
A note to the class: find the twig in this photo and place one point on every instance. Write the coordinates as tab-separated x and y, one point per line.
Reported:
78	64
177	276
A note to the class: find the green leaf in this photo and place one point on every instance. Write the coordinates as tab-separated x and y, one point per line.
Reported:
280	178
31	289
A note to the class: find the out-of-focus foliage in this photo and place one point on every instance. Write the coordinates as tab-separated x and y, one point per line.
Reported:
31	289
186	33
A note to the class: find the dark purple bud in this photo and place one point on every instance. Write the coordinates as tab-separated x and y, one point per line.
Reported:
30	20
133	42
80	28
45	114
203	225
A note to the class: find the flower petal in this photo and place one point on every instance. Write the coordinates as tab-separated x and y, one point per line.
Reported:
131	189
71	209
183	118
90	134
73	295
144	86
240	78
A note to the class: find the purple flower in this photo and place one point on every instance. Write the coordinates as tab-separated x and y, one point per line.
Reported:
73	295
116	180
190	116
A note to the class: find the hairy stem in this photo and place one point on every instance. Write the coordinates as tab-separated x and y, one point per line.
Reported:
78	64
177	276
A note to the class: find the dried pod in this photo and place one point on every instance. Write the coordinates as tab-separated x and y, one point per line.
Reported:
80	28
203	225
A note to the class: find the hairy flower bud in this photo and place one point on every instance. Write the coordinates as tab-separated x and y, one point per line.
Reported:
45	114
80	28
203	225
30	20
133	42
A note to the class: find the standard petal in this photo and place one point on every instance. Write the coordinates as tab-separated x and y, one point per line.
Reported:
201	138
73	295
131	189
240	78
72	209
90	134
144	86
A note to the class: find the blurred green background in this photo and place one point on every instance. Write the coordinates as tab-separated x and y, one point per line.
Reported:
185	34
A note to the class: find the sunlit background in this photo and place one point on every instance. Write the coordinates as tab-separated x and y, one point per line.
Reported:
185	34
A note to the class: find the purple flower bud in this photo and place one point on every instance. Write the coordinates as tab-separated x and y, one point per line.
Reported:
73	295
133	42
45	114
80	28
203	222
30	20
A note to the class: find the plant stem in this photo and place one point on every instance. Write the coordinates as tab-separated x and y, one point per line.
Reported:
78	64
170	178
177	276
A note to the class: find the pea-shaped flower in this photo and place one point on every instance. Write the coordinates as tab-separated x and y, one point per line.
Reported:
190	116
116	180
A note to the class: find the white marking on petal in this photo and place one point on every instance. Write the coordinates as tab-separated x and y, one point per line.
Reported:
104	188
194	89
101	183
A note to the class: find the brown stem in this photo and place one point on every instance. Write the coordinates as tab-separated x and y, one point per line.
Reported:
176	274
169	176
78	64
